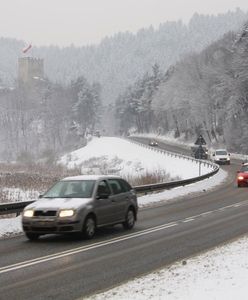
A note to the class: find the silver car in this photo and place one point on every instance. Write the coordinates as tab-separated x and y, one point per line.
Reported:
80	204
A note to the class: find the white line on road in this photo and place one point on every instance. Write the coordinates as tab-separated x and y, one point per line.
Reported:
83	248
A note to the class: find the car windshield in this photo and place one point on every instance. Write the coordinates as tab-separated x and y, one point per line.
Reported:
244	169
71	189
221	152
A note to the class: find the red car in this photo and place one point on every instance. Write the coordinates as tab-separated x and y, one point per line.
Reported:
242	175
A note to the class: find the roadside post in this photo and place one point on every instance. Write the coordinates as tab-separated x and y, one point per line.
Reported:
200	150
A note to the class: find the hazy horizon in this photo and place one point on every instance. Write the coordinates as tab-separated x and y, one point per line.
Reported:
86	22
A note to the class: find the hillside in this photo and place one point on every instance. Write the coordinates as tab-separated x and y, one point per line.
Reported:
205	93
121	59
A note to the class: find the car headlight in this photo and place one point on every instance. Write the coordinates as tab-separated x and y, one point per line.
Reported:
240	177
28	213
66	213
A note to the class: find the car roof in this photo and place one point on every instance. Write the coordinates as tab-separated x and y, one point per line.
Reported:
90	177
221	150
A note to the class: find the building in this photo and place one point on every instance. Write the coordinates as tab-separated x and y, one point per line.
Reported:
30	70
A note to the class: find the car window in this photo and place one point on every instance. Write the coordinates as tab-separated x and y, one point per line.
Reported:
103	188
244	169
71	189
221	152
125	185
116	186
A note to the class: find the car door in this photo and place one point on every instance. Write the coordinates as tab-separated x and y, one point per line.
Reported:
119	198
104	207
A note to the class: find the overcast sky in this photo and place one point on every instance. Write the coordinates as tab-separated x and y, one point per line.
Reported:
82	22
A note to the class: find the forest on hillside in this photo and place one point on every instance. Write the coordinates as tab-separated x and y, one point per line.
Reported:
204	93
121	59
165	87
41	120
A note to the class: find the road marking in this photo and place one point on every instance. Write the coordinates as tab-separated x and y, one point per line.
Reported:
221	209
188	220
83	248
206	213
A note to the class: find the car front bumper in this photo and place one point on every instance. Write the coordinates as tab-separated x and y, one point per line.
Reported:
222	162
44	226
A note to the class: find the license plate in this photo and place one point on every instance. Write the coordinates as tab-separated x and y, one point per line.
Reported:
43	223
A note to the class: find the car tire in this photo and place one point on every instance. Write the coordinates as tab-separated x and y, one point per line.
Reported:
32	236
89	228
129	220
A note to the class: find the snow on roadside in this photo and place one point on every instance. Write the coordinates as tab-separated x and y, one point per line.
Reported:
217	274
17	194
170	195
10	226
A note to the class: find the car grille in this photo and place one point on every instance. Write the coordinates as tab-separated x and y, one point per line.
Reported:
43	229
45	213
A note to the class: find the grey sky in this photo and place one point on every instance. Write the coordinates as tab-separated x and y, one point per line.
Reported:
62	22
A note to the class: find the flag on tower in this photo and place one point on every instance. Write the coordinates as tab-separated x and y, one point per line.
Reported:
25	50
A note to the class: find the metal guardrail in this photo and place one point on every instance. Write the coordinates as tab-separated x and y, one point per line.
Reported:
17	207
172	184
13	207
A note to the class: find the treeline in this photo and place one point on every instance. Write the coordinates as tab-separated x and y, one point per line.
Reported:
120	60
204	93
41	120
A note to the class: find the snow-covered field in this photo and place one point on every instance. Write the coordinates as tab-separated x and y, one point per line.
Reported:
118	156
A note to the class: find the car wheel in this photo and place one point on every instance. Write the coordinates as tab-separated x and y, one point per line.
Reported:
89	228
32	236
129	220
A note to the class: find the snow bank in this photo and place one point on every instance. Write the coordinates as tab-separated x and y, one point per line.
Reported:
118	156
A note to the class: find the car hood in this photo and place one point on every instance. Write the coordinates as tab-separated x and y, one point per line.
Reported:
221	156
59	203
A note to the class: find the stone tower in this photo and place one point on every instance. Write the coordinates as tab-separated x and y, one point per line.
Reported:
30	70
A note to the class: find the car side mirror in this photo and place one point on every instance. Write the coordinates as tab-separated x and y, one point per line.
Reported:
213	154
102	196
229	154
40	196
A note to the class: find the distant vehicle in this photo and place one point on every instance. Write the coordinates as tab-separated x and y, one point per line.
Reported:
97	133
202	155
80	204
153	143
242	176
221	156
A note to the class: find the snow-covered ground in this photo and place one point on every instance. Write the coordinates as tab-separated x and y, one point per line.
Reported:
122	157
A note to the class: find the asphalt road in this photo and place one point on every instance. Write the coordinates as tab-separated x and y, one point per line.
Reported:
62	268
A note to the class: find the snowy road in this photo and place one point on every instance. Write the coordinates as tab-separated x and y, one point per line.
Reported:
62	268
56	266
